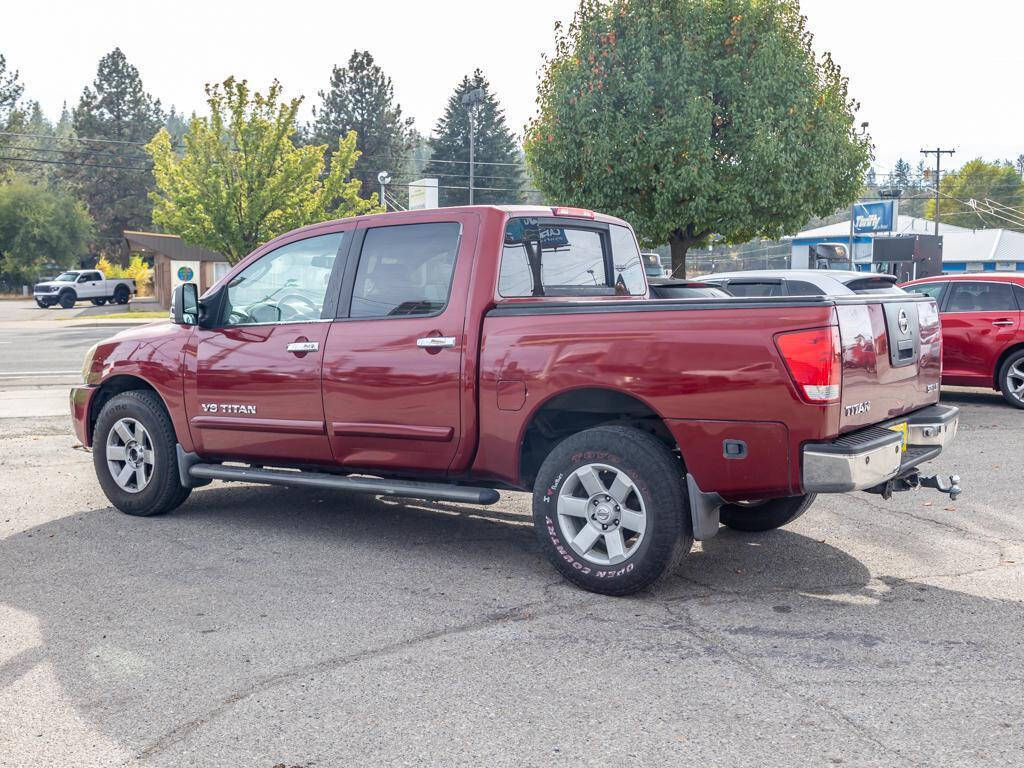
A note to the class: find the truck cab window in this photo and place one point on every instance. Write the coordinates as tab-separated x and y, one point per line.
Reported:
540	259
405	270
287	285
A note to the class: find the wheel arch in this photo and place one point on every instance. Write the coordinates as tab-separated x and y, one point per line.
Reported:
115	385
1010	350
574	410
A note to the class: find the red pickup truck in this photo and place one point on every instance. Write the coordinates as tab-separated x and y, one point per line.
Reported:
447	354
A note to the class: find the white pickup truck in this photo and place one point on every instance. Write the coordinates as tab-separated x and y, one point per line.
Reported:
79	285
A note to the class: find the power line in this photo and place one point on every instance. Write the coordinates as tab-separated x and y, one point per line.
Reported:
179	146
69	162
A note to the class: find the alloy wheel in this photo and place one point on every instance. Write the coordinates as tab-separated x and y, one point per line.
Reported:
601	514
130	455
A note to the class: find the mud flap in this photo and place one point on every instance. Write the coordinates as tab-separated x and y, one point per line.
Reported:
703	510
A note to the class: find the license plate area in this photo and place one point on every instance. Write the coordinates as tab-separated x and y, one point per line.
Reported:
902	429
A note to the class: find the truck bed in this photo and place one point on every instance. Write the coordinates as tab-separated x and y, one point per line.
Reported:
692	360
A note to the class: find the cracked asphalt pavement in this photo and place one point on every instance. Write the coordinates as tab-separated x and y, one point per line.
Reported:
262	626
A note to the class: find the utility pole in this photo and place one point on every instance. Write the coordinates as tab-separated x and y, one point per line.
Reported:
469	100
938	152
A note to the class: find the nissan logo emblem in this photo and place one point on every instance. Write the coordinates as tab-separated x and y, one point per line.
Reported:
904	321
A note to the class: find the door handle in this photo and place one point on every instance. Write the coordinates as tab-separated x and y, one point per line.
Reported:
1002	322
304	346
436	342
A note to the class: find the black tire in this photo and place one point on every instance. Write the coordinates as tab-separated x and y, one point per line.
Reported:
164	491
755	517
1010	377
42	304
121	294
657	478
98	302
67	299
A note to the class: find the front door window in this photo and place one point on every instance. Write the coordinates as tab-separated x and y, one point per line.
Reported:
288	285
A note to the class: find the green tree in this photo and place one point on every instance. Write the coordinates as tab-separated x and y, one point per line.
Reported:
901	174
695	117
112	177
40	228
241	179
361	99
981	181
498	173
10	91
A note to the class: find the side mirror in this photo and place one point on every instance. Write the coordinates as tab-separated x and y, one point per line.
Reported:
185	305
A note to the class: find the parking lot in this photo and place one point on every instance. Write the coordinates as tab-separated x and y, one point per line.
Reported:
261	626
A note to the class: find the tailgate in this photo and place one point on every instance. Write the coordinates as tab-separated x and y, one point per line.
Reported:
891	357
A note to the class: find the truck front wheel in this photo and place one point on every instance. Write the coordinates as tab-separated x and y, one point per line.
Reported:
67	299
134	454
610	510
765	515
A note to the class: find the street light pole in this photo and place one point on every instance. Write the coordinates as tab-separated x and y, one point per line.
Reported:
470	99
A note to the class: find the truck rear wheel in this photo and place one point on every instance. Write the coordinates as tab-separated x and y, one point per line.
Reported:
67	299
766	515
610	510
99	302
122	294
1011	379
134	454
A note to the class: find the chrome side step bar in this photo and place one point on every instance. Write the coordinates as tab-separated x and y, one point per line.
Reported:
201	473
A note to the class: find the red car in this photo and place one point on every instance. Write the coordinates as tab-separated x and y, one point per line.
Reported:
445	354
982	332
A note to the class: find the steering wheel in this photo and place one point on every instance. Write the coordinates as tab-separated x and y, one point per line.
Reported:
283	303
238	317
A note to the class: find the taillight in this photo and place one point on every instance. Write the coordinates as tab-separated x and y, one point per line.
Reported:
813	360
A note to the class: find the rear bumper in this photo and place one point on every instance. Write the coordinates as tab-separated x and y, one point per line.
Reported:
80	400
872	456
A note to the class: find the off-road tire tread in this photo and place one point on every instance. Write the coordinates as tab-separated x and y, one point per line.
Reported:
773	514
171	494
664	477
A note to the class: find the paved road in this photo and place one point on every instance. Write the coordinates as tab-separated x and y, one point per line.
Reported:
254	627
26	310
47	349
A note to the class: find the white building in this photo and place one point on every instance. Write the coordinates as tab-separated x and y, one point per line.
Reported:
963	249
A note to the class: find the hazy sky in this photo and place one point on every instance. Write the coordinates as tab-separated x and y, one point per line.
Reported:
925	71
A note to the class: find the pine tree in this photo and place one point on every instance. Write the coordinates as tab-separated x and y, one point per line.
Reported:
498	169
113	178
901	174
361	99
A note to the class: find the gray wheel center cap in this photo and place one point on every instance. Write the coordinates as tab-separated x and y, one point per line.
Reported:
603	513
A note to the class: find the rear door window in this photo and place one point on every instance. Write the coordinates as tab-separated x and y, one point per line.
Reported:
935	290
803	288
979	296
405	270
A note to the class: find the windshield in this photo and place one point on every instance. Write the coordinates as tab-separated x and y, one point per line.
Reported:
67	277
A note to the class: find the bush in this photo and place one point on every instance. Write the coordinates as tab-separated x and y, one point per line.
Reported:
136	269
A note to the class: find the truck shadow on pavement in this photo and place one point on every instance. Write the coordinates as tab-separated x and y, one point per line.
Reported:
156	628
